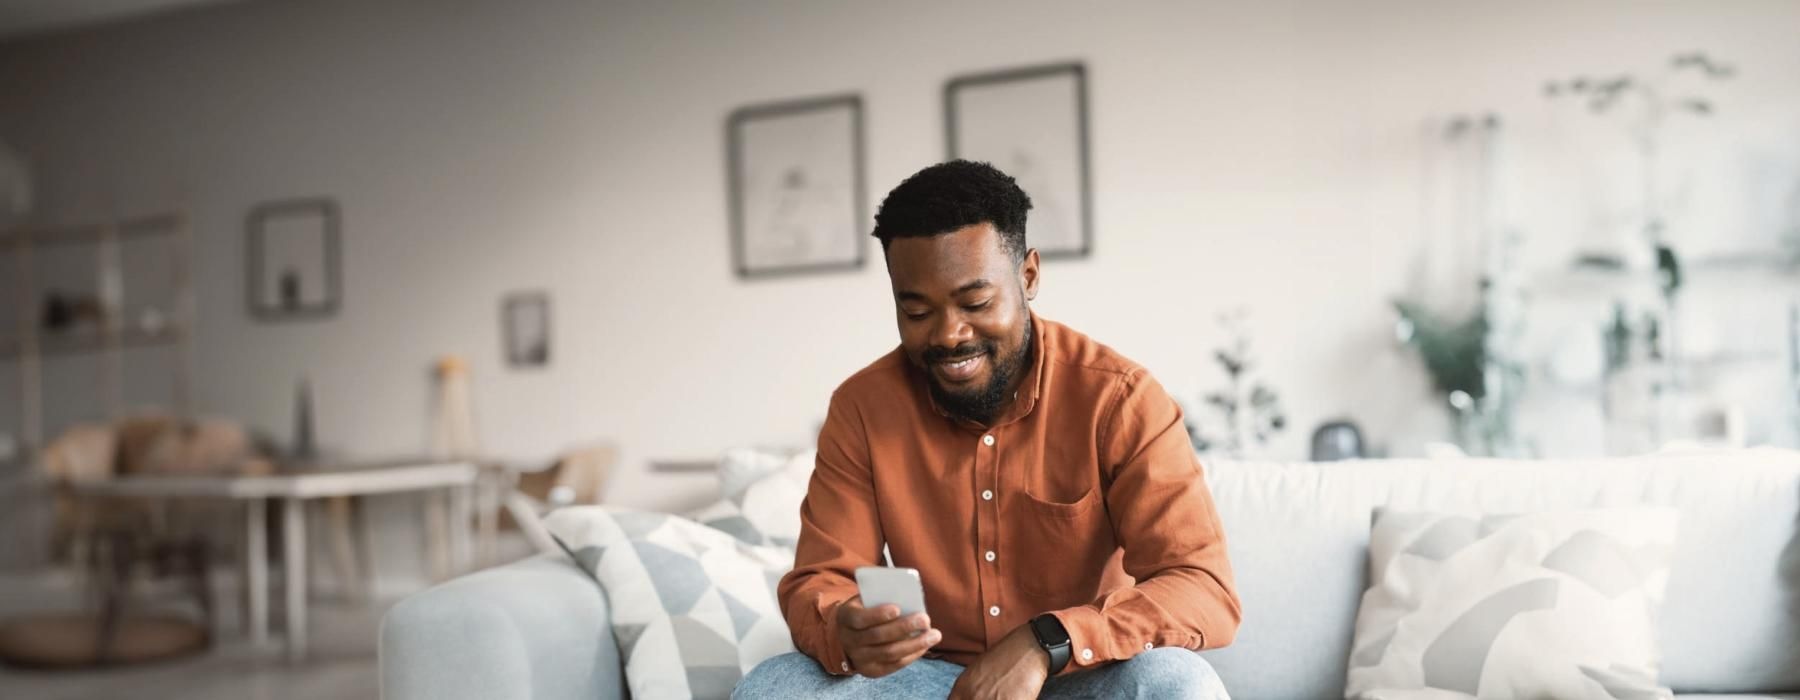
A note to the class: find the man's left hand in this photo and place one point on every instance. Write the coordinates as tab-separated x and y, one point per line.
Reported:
1015	668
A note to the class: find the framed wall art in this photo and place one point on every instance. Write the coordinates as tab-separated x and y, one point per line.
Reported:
294	255
525	325
1031	123
796	187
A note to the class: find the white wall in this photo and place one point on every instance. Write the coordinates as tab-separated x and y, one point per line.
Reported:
1260	154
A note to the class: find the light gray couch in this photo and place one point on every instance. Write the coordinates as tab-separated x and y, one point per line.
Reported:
1298	535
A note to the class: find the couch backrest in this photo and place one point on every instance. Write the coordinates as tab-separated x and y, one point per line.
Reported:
1298	536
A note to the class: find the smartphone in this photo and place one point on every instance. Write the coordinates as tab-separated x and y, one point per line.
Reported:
891	585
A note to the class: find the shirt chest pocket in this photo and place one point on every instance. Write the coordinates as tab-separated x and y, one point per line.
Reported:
1063	547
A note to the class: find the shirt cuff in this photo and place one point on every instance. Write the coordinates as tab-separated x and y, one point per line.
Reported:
1092	643
1089	644
831	653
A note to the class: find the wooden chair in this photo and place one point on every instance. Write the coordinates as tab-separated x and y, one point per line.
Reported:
577	478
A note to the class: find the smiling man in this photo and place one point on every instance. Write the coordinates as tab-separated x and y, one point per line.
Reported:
1042	484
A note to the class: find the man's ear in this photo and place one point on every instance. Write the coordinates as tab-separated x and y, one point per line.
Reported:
1028	274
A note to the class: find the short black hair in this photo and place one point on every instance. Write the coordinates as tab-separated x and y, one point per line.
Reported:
952	195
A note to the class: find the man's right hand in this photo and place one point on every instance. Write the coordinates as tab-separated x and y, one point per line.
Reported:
878	641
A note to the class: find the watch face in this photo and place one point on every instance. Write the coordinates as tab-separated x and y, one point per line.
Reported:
1049	630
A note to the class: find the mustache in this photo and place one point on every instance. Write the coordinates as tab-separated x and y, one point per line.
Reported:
935	354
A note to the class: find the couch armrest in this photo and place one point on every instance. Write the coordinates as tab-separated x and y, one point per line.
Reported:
536	628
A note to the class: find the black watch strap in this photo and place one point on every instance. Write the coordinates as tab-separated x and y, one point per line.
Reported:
1054	639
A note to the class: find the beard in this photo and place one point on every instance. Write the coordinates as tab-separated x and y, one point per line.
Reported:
982	403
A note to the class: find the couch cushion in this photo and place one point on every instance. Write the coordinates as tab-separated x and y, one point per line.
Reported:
1557	604
1298	536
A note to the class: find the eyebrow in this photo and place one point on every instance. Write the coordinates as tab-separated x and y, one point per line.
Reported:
965	289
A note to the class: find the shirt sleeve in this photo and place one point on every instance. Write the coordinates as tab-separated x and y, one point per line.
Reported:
1162	514
839	531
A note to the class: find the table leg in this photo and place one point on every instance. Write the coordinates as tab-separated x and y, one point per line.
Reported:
256	565
343	551
293	555
436	535
365	542
487	517
460	555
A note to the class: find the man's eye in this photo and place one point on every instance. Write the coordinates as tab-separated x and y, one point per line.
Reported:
977	307
916	315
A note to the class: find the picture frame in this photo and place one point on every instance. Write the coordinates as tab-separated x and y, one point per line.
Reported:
525	329
294	253
797	189
1031	123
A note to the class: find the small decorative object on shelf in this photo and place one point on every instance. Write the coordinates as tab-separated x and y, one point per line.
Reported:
453	431
1247	410
1337	440
1635	383
66	312
303	449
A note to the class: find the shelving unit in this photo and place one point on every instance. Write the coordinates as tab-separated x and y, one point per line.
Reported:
164	323
1709	376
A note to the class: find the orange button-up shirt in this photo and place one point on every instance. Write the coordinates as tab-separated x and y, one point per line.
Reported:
1083	499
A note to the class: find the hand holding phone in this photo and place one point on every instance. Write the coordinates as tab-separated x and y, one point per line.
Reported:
885	628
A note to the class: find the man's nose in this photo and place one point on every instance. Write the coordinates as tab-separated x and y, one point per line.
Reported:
951	332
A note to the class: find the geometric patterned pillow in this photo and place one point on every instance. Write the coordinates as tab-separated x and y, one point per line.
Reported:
693	609
1556	604
764	510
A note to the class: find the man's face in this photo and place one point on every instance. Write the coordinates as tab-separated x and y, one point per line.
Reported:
961	305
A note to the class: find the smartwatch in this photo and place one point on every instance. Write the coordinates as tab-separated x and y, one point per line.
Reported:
1053	638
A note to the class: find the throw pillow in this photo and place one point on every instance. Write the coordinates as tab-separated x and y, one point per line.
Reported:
765	511
693	609
740	467
1559	604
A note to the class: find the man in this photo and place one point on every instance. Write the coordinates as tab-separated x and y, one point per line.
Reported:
1043	486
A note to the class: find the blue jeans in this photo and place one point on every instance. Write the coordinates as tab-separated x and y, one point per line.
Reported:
1170	672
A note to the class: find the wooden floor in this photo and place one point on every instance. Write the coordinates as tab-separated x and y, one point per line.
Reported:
340	664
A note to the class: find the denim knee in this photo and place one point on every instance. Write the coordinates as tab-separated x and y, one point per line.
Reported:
1171	672
796	675
780	677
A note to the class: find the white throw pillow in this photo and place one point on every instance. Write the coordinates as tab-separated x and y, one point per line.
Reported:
693	609
1557	604
740	467
765	511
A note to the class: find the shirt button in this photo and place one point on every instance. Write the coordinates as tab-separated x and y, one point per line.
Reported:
987	440
994	611
844	665
987	495
990	555
1148	646
1087	654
